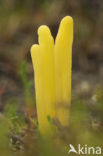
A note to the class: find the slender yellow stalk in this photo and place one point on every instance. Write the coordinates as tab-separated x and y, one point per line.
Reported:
52	67
63	61
43	64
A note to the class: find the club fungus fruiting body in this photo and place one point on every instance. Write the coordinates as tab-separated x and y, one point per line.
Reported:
52	72
63	61
43	63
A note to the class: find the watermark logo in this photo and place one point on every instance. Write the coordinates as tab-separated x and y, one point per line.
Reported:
84	149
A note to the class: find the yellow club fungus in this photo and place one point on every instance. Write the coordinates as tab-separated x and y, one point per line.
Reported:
63	61
52	68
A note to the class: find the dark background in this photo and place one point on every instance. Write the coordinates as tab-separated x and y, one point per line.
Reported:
19	21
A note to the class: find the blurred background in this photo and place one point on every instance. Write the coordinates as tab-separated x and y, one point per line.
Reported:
19	21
